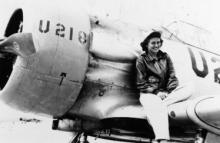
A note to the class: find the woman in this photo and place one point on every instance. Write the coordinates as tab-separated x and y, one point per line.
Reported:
156	81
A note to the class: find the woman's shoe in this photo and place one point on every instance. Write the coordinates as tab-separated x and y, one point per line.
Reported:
163	141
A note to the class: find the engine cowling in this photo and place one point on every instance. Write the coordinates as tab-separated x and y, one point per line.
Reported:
52	56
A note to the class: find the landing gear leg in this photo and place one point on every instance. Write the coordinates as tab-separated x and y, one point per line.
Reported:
201	136
80	138
83	138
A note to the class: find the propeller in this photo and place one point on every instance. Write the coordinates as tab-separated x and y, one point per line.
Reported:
20	44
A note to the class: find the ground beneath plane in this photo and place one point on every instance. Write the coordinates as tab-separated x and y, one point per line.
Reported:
41	132
21	132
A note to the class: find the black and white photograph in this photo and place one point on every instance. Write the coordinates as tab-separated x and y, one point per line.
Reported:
109	71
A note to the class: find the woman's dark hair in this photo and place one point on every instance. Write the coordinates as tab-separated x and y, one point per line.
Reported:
154	34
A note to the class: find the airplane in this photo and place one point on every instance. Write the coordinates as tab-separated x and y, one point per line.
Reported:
79	69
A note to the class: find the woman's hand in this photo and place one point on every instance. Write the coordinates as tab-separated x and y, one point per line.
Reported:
162	95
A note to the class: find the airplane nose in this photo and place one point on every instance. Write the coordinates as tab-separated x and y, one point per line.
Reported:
20	44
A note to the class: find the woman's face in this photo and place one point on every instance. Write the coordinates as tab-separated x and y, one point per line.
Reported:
154	45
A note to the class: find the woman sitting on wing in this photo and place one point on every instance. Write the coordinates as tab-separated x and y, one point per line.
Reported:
156	81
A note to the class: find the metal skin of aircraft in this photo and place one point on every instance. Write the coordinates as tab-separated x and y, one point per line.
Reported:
80	70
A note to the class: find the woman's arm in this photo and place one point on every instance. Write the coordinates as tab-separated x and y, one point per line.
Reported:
142	84
172	81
